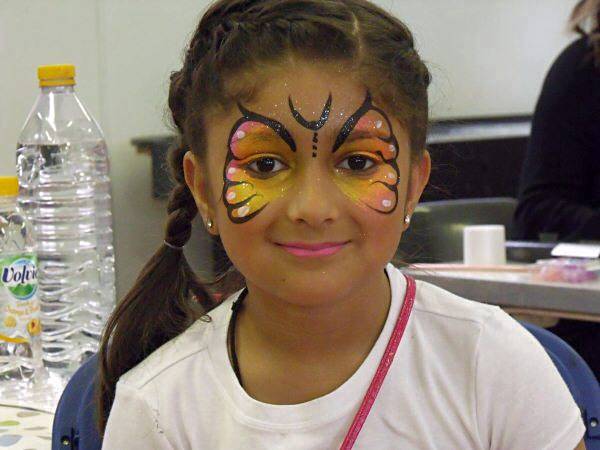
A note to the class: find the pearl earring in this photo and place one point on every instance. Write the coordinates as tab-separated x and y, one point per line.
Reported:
209	223
407	219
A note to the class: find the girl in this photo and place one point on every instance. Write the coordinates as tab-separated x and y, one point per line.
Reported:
302	127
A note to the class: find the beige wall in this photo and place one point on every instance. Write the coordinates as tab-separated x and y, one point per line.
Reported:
487	57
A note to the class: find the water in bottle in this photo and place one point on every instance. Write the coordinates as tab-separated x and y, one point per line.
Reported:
20	329
64	189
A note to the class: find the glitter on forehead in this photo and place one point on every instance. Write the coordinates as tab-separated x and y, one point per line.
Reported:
314	124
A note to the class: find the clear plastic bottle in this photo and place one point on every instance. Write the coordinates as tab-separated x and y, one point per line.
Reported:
20	329
64	189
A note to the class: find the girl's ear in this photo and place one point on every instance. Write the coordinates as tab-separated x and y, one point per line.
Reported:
419	176
194	178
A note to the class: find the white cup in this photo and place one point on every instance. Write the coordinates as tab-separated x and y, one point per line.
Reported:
484	245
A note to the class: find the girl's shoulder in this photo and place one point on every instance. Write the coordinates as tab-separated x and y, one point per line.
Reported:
465	329
434	300
474	326
431	300
477	350
193	342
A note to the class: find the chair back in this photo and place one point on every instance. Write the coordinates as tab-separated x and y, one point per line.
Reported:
578	377
436	230
74	426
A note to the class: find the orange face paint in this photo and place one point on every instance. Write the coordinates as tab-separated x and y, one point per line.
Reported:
368	133
255	140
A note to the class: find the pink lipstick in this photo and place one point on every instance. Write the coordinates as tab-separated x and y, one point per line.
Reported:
313	250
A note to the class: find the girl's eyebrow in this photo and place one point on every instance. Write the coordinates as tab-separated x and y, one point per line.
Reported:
356	135
349	125
348	134
276	126
260	136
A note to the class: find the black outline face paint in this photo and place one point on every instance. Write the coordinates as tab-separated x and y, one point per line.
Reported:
347	129
277	127
314	125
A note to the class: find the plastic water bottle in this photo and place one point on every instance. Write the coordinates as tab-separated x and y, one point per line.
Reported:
20	329
64	189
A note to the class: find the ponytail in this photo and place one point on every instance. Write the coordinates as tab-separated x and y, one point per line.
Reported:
166	299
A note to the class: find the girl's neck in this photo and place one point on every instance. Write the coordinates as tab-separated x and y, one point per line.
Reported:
347	326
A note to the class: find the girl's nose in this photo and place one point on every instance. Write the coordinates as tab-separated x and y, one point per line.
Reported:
313	199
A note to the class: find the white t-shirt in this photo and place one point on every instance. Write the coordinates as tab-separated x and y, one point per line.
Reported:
465	376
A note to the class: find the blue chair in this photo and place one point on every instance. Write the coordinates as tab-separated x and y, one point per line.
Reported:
74	426
579	378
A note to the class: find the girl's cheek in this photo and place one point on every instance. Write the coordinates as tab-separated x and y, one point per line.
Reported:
245	195
377	192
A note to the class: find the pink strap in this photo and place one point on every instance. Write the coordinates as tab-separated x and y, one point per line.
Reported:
384	365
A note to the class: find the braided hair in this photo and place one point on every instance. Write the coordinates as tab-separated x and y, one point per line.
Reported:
232	49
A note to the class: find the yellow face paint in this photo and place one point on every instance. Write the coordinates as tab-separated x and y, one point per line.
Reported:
368	134
255	144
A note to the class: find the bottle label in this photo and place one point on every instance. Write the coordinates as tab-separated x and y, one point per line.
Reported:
19	303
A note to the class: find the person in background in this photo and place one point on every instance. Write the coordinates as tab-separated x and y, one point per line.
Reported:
559	193
302	146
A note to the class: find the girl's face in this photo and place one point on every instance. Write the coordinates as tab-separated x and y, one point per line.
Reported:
312	159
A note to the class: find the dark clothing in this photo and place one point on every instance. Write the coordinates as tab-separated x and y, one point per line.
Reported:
584	337
560	179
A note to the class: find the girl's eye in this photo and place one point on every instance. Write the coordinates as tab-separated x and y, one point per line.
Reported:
266	165
357	163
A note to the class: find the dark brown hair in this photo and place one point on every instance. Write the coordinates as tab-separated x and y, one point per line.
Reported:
585	20
234	39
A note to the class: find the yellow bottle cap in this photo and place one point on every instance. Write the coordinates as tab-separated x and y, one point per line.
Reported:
9	186
57	75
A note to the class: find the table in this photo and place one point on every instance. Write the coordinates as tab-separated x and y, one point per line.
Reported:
516	291
25	428
26	421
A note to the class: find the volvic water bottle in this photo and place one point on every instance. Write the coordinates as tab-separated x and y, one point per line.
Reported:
64	188
20	329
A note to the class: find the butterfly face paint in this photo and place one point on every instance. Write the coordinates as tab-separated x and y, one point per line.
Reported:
256	139
255	142
367	137
258	142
